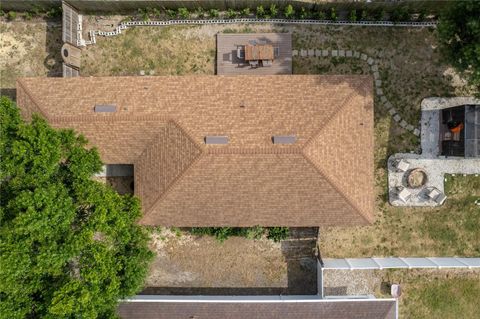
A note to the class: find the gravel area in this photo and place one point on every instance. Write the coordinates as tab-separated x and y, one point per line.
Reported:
347	282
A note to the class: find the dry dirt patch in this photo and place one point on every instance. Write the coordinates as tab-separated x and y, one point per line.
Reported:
190	261
29	48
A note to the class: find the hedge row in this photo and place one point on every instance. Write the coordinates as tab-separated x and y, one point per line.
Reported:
222	233
287	12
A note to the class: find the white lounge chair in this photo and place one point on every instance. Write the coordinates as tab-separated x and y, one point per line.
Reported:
436	195
401	165
404	194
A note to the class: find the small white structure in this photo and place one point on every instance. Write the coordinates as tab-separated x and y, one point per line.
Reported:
404	194
437	196
395	290
402	165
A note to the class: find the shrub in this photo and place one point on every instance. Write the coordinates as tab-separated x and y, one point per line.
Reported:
278	233
183	13
353	16
321	15
223	233
11	15
231	14
2	13
177	231
245	12
171	13
289	12
214	13
333	14
54	12
27	16
364	15
155	12
379	14
273	10
144	14
304	14
260	12
459	36
421	15
200	12
400	14
255	232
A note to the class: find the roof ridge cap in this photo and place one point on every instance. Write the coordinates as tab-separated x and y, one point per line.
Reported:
254	150
32	98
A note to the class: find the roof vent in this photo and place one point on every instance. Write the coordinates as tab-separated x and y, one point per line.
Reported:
284	139
216	139
105	108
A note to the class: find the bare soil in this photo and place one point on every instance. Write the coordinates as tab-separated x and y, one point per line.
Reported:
186	264
29	48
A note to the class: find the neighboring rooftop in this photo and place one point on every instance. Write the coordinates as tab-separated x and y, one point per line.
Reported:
294	309
160	125
236	52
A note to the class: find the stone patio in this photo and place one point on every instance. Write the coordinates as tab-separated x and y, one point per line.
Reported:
435	166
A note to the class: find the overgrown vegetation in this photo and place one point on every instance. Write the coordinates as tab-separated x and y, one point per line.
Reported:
35	12
223	233
459	36
287	11
68	245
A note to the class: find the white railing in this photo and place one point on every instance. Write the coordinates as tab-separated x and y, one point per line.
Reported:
401	262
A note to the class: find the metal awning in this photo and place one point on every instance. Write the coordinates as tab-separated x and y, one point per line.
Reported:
472	130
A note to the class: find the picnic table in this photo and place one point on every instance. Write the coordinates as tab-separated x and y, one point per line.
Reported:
259	52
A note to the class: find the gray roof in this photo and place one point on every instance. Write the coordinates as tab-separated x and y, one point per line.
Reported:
312	309
472	131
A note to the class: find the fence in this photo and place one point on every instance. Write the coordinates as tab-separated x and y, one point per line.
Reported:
119	6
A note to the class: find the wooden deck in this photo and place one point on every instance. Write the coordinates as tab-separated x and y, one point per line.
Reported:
229	64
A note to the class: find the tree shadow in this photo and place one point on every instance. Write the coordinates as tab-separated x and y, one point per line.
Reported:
9	92
53	44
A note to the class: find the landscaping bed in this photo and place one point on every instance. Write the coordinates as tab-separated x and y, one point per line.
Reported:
190	264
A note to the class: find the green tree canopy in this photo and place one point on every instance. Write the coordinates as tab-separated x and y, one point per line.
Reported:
459	35
69	246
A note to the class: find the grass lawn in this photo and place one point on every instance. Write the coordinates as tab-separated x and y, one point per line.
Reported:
448	230
436	294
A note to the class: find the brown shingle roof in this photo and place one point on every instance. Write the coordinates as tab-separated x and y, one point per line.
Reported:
364	309
325	178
